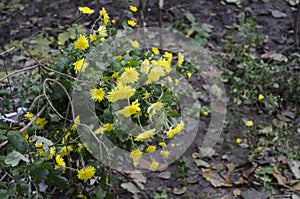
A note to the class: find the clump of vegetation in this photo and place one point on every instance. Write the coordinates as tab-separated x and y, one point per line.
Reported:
49	151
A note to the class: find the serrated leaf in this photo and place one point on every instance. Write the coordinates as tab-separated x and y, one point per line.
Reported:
14	158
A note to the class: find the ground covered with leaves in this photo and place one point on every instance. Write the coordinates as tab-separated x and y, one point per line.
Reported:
255	46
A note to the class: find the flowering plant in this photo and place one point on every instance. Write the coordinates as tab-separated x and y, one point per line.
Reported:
130	92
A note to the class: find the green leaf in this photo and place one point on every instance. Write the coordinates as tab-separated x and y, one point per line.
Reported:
55	178
38	172
16	139
42	140
190	17
4	194
14	158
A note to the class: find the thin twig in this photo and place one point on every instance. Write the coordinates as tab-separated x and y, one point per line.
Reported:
7	51
3	144
49	101
34	119
18	71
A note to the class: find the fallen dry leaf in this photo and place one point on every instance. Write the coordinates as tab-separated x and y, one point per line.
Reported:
215	178
296	187
179	191
247	172
280	178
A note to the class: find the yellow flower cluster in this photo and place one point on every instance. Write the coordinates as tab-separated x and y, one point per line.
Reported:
86	173
60	162
135	155
80	65
130	75
120	92
134	108
153	108
145	135
106	127
172	132
81	43
41	122
249	123
104	16
97	94
86	10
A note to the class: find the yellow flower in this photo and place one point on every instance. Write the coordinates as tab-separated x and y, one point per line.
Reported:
155	50
135	44
135	155
97	94
81	43
154	165
151	149
205	113
60	161
249	123
132	23
146	95
116	75
165	64
39	148
65	150
129	76
153	108
86	173
76	120
155	74
189	74
102	31
261	97
51	153
164	153
80	65
180	59
145	66
86	10
120	92
162	144
104	16
176	81
99	131
41	122
93	37
29	116
238	140
59	43
131	110
145	135
172	132
169	56
108	127
133	8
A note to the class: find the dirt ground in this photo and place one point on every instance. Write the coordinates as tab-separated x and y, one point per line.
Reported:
277	32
